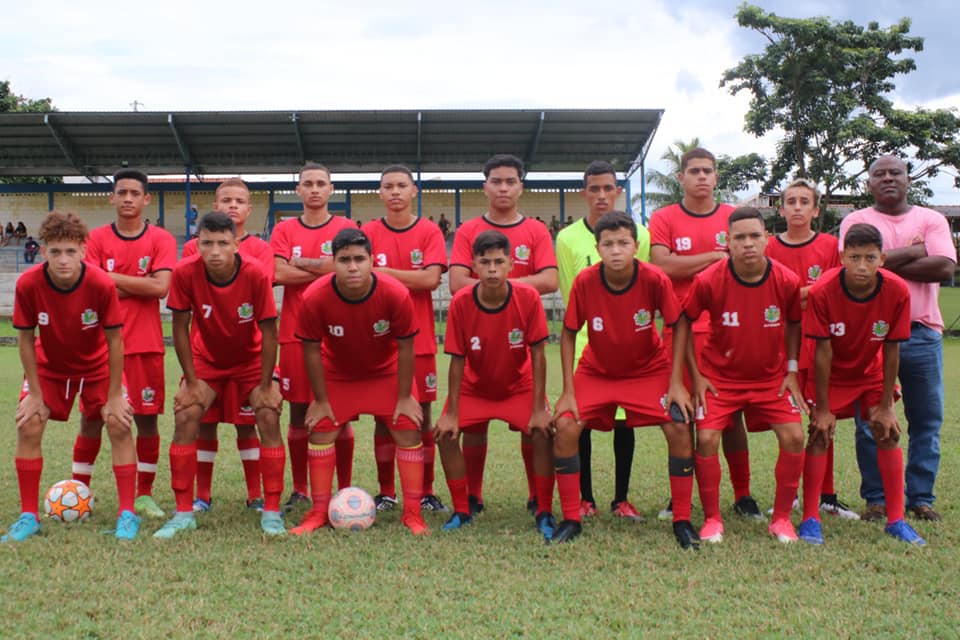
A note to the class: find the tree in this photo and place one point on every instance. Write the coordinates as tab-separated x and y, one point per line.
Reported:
10	102
825	85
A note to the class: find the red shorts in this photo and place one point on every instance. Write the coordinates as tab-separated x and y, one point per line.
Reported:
372	396
476	411
59	393
642	398
146	384
425	370
761	408
842	398
699	344
294	383
232	404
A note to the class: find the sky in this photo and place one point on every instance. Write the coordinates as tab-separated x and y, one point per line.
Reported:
242	55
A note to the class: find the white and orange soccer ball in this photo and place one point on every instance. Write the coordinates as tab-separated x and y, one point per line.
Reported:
352	509
69	501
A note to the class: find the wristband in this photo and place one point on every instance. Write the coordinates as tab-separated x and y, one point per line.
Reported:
793	366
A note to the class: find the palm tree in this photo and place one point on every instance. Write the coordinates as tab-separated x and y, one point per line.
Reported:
667	186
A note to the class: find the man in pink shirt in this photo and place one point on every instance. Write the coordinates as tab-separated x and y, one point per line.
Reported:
919	249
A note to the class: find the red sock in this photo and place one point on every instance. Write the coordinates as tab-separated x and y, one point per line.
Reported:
85	452
344	447
249	449
28	479
323	461
738	462
707	470
828	486
384	451
206	454
544	486
183	471
813	483
681	493
148	456
475	459
297	437
272	461
458	494
126	477
787	472
526	450
890	463
410	468
568	487
429	456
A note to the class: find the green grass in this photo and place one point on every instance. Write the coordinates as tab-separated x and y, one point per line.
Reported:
950	307
494	579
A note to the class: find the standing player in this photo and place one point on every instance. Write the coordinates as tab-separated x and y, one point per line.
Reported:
495	336
534	263
809	254
357	329
686	238
139	257
232	197
79	351
577	250
855	314
749	364
623	364
413	251
303	252
228	359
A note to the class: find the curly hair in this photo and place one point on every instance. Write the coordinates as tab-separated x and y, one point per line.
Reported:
63	225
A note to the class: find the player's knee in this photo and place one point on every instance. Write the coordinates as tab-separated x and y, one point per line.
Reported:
31	431
708	442
791	438
116	430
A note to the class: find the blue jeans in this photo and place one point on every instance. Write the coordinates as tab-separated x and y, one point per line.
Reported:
921	382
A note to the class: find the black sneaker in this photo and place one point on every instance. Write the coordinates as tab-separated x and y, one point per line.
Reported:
385	503
686	535
476	505
532	506
829	503
431	502
746	507
296	499
566	531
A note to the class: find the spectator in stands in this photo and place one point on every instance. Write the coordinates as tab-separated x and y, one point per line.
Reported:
444	225
30	250
9	231
21	231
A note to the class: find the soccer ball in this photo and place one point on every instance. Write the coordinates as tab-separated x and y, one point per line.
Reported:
353	509
69	501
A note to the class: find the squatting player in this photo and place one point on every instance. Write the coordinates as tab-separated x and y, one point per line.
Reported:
624	363
749	364
229	360
139	257
496	330
79	352
856	314
413	251
358	328
534	263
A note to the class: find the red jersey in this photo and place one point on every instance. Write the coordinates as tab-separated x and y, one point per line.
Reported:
359	336
251	247
226	316
496	342
746	348
623	338
690	234
71	341
414	248
530	243
154	250
810	259
294	239
857	327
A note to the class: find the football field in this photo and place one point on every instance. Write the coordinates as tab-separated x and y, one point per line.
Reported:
493	579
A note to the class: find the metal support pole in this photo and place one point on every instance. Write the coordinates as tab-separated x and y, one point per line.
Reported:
456	209
189	212
563	206
160	209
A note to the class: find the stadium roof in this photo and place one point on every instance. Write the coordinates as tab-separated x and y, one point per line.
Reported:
211	142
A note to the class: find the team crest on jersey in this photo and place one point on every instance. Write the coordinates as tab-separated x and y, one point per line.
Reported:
148	395
245	311
416	257
642	319
296	252
380	327
246	410
721	238
143	264
111	263
515	338
431	381
663	401
881	329
771	316
89	319
793	403
522	252
327	248
813	273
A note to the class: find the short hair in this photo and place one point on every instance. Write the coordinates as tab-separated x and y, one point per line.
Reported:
215	222
490	240
62	225
806	184
599	168
398	168
503	160
131	174
695	153
351	237
314	166
863	235
746	213
613	220
231	182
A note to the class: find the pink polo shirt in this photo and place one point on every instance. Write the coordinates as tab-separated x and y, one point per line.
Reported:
898	232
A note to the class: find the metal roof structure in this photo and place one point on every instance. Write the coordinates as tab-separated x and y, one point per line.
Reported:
263	142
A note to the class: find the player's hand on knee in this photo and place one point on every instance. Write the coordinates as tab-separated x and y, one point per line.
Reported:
31	405
266	397
541	421
196	393
701	385
317	412
566	403
884	424
118	410
447	428
408	406
678	394
791	383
